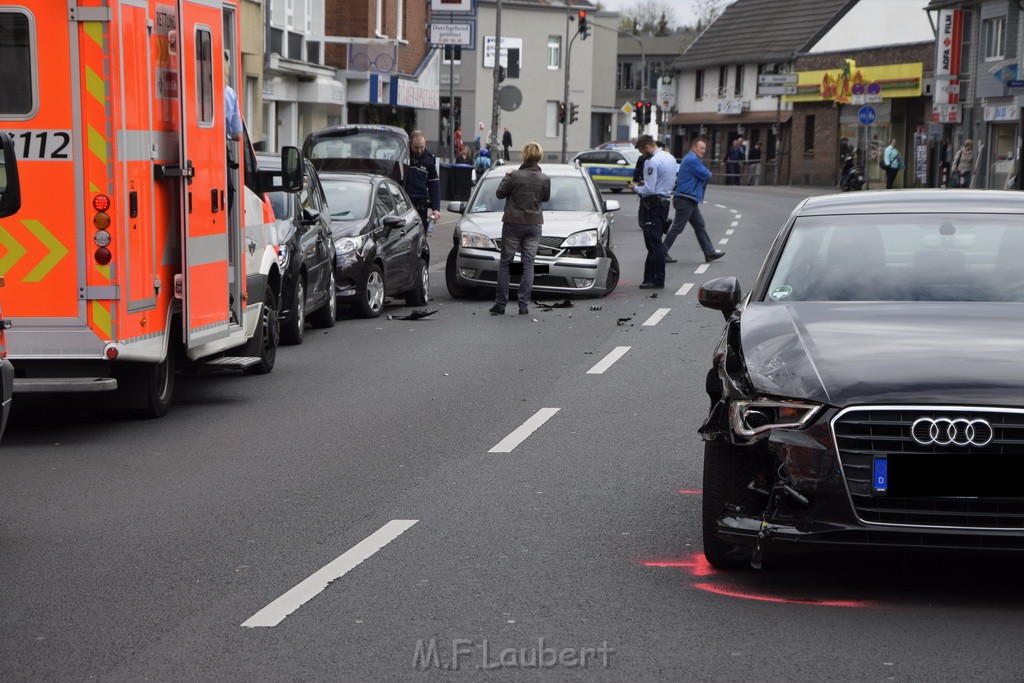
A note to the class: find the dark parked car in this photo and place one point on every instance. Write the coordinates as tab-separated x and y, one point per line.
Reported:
305	253
381	242
869	390
383	150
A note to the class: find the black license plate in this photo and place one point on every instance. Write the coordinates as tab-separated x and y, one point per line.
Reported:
948	475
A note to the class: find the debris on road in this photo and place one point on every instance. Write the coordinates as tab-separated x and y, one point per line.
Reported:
415	315
622	321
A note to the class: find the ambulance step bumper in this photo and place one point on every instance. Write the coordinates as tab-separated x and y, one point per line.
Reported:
63	385
232	362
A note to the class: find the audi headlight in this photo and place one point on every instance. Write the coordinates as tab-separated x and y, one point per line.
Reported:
586	238
750	418
477	241
347	245
282	256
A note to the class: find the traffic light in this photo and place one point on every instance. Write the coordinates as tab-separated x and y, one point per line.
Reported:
638	112
574	112
647	112
561	112
584	26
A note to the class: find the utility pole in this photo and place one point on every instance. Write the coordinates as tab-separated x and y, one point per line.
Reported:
492	138
569	38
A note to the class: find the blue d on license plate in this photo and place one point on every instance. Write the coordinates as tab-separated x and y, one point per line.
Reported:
880	475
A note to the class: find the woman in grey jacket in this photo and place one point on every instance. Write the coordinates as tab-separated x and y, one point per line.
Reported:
524	190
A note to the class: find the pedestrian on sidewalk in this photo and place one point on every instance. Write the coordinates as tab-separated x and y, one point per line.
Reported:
689	194
892	162
754	165
506	142
524	190
963	166
655	199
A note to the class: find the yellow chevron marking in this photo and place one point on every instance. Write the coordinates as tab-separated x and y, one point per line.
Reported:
93	187
57	251
97	144
14	251
94	84
104	271
94	30
101	318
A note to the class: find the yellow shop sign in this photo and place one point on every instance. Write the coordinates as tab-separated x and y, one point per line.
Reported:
851	84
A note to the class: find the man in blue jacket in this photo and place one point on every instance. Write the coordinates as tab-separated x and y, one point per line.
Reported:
689	193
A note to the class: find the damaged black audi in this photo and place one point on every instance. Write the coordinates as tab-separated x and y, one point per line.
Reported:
869	389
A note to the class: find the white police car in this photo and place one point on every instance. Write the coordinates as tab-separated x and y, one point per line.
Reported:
610	169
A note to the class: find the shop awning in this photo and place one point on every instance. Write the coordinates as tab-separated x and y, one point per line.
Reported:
712	119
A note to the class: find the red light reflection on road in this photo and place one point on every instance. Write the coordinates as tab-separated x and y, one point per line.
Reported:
696	492
696	565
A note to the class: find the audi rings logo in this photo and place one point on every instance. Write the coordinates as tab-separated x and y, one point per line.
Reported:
943	431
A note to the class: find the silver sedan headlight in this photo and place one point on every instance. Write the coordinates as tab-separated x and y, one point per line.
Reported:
347	245
586	238
477	241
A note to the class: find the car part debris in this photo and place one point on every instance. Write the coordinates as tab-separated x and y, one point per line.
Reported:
596	308
415	315
622	321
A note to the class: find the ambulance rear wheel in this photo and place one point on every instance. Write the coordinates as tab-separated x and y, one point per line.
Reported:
159	379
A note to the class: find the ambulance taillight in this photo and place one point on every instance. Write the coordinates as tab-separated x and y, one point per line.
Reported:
101	221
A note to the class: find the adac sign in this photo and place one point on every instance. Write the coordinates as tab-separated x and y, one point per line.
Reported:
850	84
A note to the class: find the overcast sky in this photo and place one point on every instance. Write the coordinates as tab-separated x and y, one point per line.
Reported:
684	8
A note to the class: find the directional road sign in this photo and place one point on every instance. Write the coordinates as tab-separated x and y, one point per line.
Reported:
765	90
777	79
867	115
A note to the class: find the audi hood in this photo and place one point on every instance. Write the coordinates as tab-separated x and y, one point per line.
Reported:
845	354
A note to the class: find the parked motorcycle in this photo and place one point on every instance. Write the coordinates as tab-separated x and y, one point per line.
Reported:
851	176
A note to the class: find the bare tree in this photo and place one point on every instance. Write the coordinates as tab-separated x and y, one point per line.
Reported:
655	17
707	11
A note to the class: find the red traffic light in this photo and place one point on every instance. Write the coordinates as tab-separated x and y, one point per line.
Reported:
583	15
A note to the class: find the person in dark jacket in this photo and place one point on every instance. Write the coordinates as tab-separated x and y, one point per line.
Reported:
506	142
524	190
421	182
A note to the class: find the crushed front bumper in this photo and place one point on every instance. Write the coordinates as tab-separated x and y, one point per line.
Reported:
562	274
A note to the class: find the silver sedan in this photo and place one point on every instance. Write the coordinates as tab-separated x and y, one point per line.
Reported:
575	255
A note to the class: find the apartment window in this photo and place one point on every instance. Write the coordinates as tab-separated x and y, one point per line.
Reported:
554	52
993	32
308	9
289	12
451	54
738	81
809	135
723	80
625	76
698	85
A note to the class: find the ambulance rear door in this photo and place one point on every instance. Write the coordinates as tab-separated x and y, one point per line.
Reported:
210	289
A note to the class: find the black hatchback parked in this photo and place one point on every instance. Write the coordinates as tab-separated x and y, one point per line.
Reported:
305	253
380	240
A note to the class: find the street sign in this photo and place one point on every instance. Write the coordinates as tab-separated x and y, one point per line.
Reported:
777	79
1015	83
455	33
766	90
866	115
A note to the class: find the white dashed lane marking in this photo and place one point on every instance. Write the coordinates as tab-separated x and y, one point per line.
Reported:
685	289
720	206
656	318
734	224
724	240
274	613
729	232
521	433
702	268
617	353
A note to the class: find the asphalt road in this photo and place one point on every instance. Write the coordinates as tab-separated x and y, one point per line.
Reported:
385	470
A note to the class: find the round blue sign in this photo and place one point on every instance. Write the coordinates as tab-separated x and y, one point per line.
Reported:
867	115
